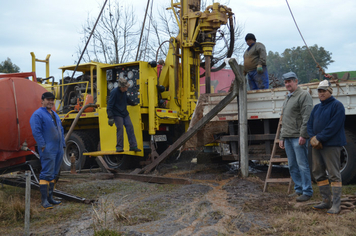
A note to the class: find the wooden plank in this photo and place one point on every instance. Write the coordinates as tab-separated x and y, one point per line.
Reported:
187	135
103	164
278	180
152	179
274	160
251	137
251	157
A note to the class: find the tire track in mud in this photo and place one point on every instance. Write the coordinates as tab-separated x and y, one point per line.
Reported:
213	213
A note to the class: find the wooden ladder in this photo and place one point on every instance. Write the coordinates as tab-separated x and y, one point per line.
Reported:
276	160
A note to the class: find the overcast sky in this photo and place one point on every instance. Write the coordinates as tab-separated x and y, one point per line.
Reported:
53	27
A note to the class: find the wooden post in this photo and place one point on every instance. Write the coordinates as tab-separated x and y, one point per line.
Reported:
27	202
242	114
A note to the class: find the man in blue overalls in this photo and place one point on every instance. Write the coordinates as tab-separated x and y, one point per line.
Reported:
49	135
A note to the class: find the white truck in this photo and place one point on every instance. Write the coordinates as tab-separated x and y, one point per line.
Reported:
263	111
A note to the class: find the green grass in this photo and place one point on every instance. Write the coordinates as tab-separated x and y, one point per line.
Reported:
341	73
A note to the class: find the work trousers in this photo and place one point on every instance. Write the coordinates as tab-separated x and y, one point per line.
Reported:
327	159
51	161
258	81
120	122
299	165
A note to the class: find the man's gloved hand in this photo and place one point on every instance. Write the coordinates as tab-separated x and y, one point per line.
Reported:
259	69
111	122
315	143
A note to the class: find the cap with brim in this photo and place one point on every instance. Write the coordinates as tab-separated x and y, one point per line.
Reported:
289	76
324	85
123	83
48	95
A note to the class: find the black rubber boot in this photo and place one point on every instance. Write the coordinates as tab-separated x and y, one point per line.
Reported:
326	196
335	209
50	195
44	191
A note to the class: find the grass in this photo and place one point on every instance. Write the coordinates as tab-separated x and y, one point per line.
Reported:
298	220
12	211
341	73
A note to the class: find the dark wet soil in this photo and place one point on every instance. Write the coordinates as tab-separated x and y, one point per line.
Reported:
217	202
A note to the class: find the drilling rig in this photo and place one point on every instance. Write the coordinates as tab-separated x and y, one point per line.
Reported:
165	102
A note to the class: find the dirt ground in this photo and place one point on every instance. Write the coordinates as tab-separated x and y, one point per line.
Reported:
217	202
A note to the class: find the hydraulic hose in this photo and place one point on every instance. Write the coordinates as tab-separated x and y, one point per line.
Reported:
76	120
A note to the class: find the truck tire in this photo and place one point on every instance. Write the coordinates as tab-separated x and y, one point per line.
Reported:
348	158
78	143
122	162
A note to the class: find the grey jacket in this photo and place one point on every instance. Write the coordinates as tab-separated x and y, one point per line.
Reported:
253	56
296	112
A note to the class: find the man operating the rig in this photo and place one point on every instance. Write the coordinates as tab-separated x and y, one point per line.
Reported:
48	132
118	114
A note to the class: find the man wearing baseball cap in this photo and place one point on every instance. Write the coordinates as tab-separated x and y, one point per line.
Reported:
255	66
118	114
326	129
48	132
294	136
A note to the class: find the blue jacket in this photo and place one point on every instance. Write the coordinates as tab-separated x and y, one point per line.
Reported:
45	132
327	121
117	104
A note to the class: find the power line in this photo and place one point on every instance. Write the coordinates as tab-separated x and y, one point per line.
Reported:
317	64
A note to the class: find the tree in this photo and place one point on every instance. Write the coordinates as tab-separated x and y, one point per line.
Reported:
299	61
8	67
115	38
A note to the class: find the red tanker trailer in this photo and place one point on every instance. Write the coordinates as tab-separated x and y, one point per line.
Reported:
19	98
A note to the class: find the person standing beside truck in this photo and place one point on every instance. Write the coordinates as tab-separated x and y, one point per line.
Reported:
48	132
255	66
294	136
326	127
118	114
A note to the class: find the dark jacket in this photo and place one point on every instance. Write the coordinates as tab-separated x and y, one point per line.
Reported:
327	122
296	112
117	104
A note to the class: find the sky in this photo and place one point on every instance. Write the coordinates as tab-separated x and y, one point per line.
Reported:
53	27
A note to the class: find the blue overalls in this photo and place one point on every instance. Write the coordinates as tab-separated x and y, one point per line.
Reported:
49	134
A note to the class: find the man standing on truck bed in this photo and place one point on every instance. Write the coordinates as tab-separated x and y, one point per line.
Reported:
255	63
118	114
294	136
48	132
326	127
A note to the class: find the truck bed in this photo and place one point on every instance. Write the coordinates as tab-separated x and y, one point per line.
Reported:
267	103
262	105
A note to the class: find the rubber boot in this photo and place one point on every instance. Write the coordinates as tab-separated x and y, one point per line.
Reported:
326	196
44	191
50	195
335	209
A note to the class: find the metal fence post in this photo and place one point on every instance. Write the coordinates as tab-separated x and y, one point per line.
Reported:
27	202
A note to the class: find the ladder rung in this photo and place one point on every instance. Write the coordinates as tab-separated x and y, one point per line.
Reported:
279	180
278	160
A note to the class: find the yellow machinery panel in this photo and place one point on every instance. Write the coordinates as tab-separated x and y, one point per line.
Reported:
108	133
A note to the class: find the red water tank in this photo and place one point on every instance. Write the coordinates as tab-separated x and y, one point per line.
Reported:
19	98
